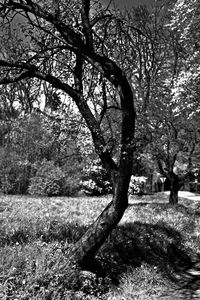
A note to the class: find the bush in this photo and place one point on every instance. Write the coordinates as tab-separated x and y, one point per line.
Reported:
48	180
71	186
95	180
194	187
136	186
14	173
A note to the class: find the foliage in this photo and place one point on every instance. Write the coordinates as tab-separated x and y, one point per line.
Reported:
51	180
185	20
166	76
33	138
48	179
136	186
194	187
96	180
14	174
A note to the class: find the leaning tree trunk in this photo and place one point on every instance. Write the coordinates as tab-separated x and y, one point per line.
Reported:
82	46
85	249
88	245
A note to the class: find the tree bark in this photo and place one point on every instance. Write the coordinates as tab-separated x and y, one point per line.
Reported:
173	197
175	185
87	246
85	249
176	182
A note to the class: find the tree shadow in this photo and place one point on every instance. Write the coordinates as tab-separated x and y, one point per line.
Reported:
130	244
190	281
56	231
134	244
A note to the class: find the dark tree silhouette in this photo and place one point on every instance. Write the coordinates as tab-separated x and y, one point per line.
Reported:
58	34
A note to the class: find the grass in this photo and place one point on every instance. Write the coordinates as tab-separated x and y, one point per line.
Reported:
146	257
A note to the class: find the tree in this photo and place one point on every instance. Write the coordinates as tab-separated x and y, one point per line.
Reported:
174	145
182	139
166	82
56	45
30	140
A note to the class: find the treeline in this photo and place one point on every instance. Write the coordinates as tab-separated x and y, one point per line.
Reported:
44	156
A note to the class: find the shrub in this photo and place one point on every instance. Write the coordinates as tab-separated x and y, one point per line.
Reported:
136	186
195	187
14	173
95	180
71	186
48	180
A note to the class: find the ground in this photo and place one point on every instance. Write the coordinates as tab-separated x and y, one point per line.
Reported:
154	253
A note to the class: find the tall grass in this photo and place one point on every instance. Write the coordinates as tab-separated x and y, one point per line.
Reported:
145	257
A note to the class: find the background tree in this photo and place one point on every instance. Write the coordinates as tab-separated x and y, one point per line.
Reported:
30	135
184	107
167	124
174	145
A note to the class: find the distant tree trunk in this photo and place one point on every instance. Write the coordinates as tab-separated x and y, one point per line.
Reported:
175	182
175	185
173	197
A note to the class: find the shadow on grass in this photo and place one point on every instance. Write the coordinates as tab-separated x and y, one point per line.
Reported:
129	245
57	230
191	284
134	244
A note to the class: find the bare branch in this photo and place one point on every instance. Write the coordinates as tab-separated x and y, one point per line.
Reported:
93	125
19	65
71	37
12	79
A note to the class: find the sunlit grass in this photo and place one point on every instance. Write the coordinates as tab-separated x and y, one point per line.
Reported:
143	282
140	260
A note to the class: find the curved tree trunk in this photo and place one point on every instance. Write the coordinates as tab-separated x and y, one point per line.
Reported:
85	249
83	48
88	245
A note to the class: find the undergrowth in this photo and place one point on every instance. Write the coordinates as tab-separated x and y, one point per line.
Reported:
142	258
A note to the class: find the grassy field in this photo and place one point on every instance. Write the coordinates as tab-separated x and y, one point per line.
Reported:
152	254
